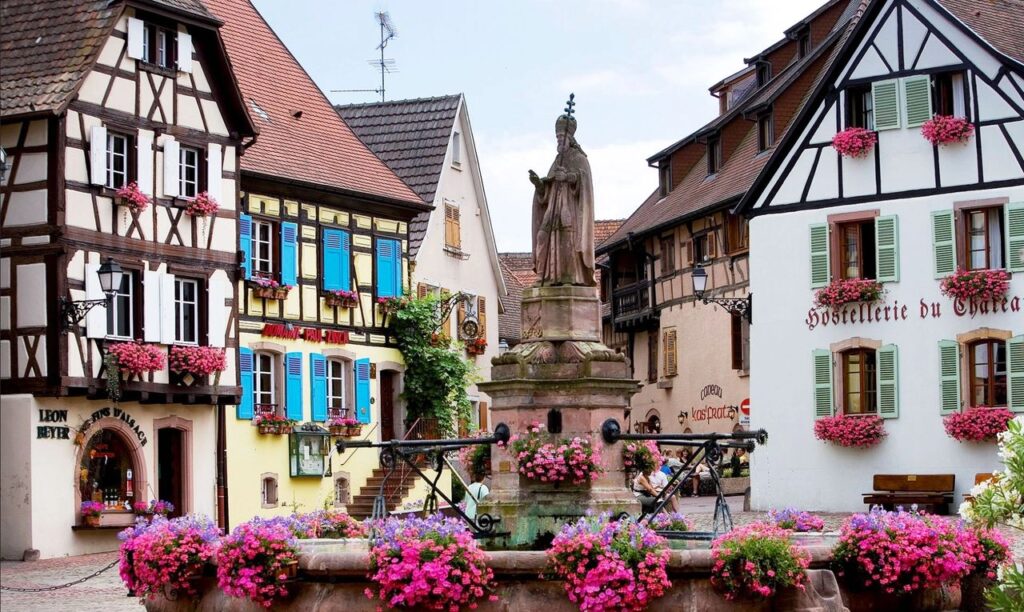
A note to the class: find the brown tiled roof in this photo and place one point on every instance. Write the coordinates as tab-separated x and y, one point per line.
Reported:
520	265
510	321
999	22
301	137
46	48
191	7
603	228
411	136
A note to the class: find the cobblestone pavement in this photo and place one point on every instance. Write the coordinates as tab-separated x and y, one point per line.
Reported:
104	593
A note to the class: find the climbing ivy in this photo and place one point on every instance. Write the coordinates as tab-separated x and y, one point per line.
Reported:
436	372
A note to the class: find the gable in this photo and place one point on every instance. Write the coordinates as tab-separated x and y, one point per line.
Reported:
907	39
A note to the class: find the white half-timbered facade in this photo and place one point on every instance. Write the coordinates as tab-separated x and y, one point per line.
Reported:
138	92
907	215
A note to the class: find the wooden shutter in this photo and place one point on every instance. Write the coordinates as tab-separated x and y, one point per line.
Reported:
943	243
820	275
168	322
289	253
482	418
1015	236
152	305
244	409
653	355
421	290
460	318
481	312
98	155
184	52
823	405
887	249
689	251
144	161
1015	373
886	100
362	371
245	244
172	166
318	386
917	99
216	314
293	385
388	283
446	325
888	382
671	354
214	171
452	231
335	265
136	34
949	376
96	319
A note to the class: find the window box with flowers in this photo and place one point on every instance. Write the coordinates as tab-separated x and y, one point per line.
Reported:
477	346
978	285
133	359
345	427
269	288
203	205
942	130
131	197
193	364
272	424
342	298
854	142
861	431
979	424
848	291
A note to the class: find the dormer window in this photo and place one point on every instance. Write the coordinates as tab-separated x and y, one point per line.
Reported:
714	154
765	131
803	42
158	46
948	96
764	72
156	42
664	178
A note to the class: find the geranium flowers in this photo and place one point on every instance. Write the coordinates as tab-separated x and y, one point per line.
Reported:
253	562
855	431
197	360
854	142
136	358
573	460
977	424
981	285
756	561
847	291
942	130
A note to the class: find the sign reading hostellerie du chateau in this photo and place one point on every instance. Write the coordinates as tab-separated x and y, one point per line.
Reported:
875	312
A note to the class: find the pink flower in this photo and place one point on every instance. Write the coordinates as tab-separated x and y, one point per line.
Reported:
851	431
197	360
980	285
132	196
756	561
137	358
848	290
946	129
854	142
977	424
202	205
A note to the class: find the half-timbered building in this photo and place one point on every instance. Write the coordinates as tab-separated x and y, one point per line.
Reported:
904	216
692	358
98	95
323	236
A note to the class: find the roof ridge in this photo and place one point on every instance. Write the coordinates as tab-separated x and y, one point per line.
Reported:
403	101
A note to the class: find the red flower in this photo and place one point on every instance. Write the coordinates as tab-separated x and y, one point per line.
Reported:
854	142
946	129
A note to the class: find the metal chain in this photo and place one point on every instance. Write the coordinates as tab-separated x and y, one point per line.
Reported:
61	586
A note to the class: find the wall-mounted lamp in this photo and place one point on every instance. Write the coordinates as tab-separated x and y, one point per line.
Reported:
743	307
73	311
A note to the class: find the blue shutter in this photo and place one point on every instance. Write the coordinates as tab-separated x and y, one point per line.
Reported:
388	282
363	390
244	409
318	386
337	260
293	386
345	270
289	253
245	245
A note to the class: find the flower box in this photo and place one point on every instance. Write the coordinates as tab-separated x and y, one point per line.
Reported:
272	424
982	285
848	291
192	364
477	347
942	130
850	431
271	293
137	358
575	460
346	431
341	298
854	142
202	205
131	197
980	424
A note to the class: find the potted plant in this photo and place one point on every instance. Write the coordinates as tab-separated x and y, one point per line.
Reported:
136	358
131	197
942	130
572	460
477	346
331	524
850	431
166	557
979	424
268	288
154	508
256	561
670	521
981	285
203	205
194	363
847	291
91	512
476	459
756	561
346	427
854	142
795	520
641	457
342	298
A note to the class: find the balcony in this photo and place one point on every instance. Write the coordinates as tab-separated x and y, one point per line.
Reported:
632	307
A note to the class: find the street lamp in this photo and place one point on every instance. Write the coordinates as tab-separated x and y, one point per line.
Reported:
73	311
739	306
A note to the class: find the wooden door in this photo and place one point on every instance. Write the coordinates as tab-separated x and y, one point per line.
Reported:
387	405
170	468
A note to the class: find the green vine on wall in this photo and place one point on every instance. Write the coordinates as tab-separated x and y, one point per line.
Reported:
113	370
436	372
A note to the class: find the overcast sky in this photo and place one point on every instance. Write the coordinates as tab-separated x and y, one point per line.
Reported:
640	70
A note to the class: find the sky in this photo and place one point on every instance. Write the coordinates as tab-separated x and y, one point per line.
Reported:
640	70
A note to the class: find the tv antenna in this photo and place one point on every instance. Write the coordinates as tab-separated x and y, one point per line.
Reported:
385	65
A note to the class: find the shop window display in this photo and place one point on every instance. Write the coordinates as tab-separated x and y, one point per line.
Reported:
107	472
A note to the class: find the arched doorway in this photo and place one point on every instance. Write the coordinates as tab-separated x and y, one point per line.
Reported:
110	467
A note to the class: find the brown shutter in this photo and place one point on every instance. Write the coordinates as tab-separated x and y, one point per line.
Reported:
482	419
689	251
712	244
452	234
461	317
652	356
481	311
671	358
421	290
446	326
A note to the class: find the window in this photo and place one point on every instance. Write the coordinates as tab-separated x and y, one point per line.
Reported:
342	490
188	186
740	336
186	311
988	373
803	42
108	470
860	107
701	249
263	397
158	46
714	155
984	231
765	132
262	248
336	382
456	149
120	312
268	490
737	234
764	72
118	146
665	178
668	255
452	231
856	249
652	356
948	96
859	381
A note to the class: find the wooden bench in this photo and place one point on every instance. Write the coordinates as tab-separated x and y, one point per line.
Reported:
932	492
978	479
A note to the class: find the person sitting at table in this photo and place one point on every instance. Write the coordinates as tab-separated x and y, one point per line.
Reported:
648	486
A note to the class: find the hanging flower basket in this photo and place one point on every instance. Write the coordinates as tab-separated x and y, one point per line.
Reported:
848	291
981	285
136	358
203	205
345	427
854	142
942	130
477	347
565	460
341	298
850	431
131	197
979	424
269	288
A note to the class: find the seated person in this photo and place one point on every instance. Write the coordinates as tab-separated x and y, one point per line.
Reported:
646	487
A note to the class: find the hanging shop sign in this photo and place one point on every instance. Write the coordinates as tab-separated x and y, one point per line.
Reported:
850	314
309	334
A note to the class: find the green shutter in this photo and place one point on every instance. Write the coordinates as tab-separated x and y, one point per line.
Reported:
1015	369
917	98
888	382
822	383
885	95
887	249
819	255
1015	236
943	243
949	376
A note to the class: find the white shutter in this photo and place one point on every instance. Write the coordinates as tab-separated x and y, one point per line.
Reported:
184	52
215	313
167	319
214	170
98	155
96	320
144	167
151	305
136	33
172	166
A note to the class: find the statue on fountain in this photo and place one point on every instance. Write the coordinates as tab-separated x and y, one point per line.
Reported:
563	212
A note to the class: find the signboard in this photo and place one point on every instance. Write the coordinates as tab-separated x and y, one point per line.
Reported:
745	412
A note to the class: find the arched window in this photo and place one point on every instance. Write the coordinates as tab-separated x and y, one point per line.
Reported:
268	490
859	381
107	472
987	372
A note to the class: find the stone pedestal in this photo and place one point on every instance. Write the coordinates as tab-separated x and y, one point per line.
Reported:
563	367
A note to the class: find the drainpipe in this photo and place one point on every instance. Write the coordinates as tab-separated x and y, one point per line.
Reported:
222	468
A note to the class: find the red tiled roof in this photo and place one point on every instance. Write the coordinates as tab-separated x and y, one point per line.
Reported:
301	137
510	321
603	228
999	22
